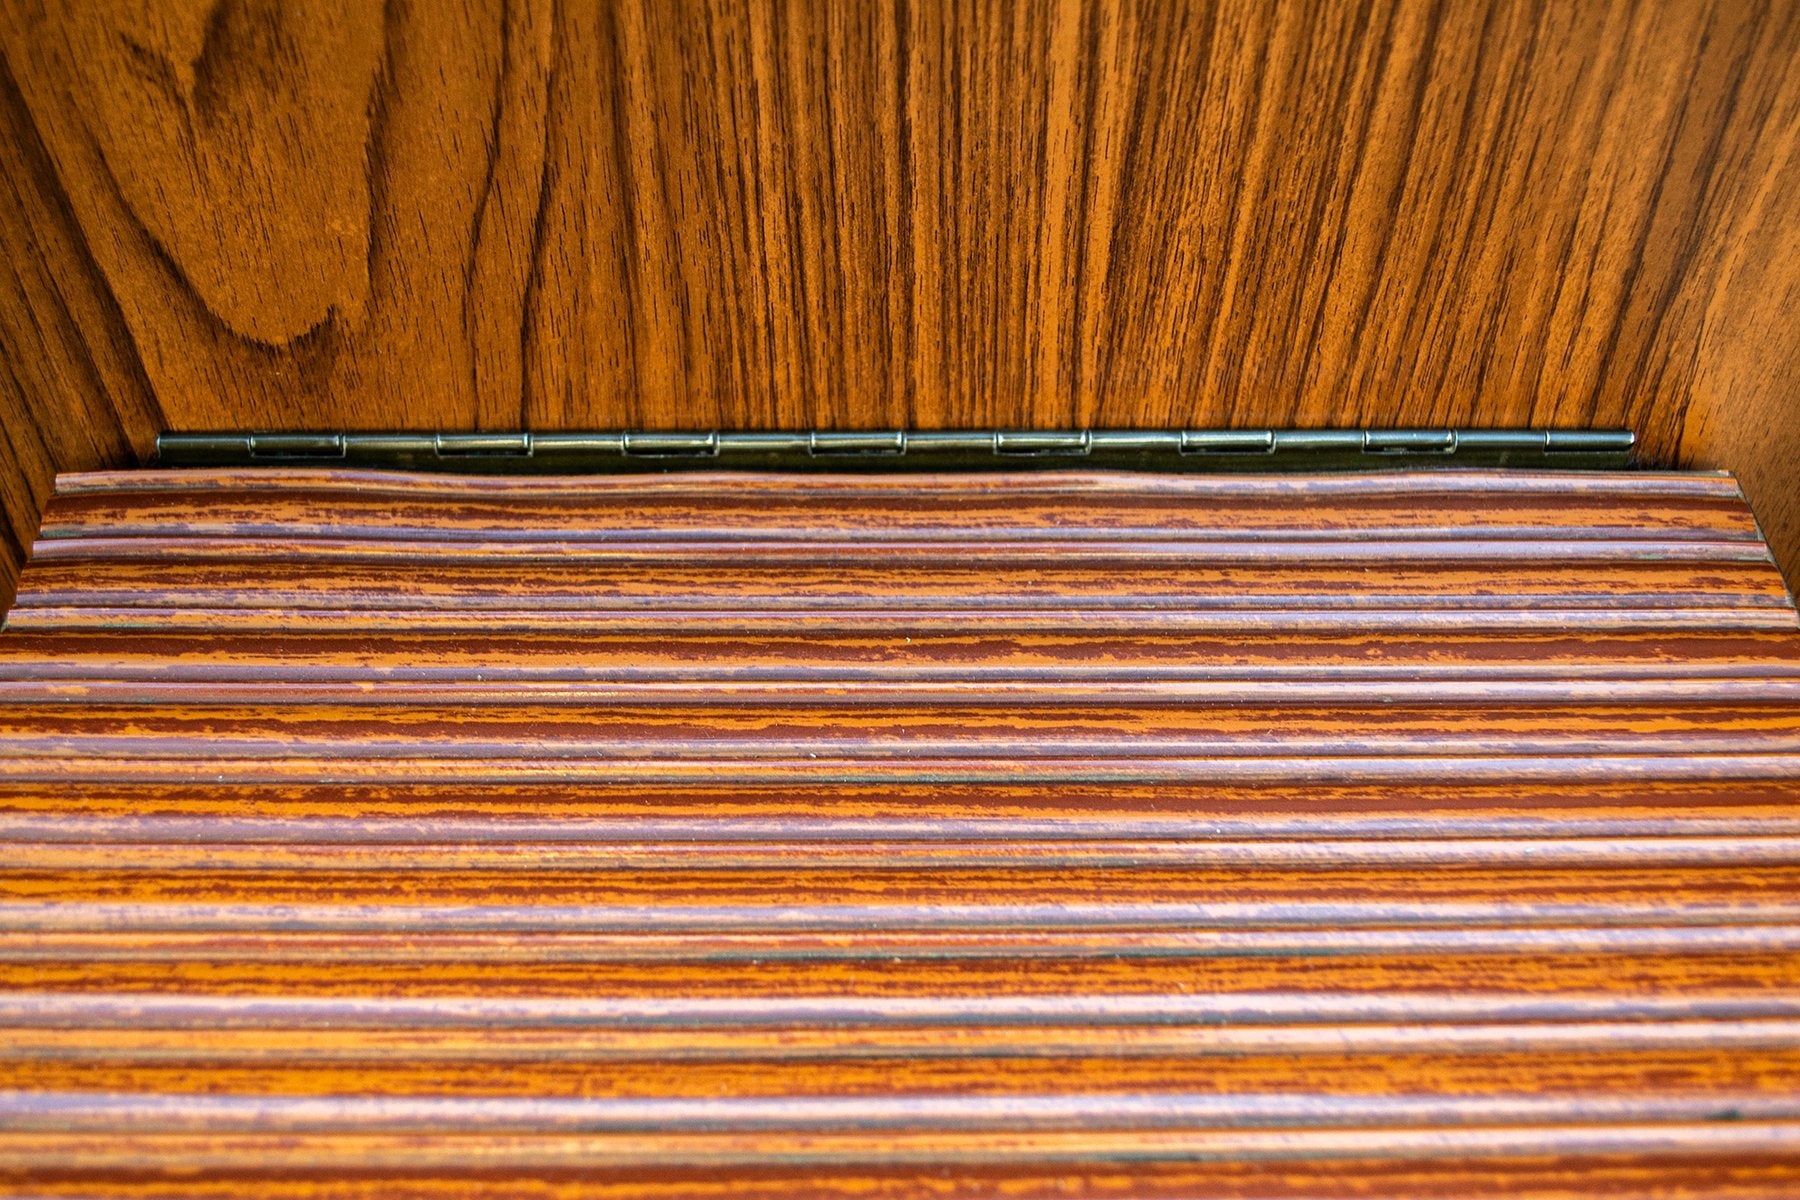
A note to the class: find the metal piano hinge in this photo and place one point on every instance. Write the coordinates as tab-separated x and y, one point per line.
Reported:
910	450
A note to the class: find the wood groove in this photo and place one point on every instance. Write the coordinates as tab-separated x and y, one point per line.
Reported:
948	831
502	215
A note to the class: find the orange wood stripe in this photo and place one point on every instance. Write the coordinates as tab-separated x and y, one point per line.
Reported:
1682	613
478	597
323	967
611	809
310	1057
723	489
1318	513
1539	1177
1714	1134
490	849
1042	658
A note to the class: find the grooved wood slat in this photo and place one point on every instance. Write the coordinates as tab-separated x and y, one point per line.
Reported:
519	214
1413	834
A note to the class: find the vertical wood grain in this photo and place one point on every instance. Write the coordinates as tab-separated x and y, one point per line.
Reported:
1744	408
488	214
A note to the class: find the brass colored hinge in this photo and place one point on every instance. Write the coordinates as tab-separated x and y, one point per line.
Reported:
904	450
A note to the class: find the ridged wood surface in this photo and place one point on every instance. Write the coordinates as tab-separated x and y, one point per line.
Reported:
1399	835
838	214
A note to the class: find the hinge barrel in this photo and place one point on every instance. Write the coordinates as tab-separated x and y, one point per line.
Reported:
907	450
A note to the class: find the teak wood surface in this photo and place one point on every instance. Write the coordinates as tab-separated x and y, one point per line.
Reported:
1402	835
504	214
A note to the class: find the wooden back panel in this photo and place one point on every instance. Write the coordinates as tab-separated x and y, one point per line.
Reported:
931	215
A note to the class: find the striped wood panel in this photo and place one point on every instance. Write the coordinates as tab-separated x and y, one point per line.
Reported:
1370	835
